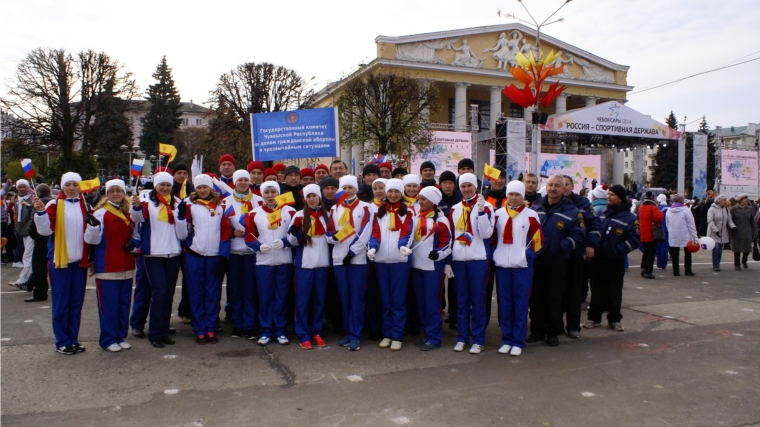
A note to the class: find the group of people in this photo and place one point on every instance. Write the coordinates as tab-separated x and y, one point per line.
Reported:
372	254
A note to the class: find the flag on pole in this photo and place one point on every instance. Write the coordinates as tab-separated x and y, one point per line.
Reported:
340	196
221	188
379	158
491	173
285	199
167	150
137	167
498	12
89	185
26	165
183	190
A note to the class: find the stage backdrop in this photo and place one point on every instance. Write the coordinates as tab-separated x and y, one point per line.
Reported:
447	149
575	165
295	134
738	167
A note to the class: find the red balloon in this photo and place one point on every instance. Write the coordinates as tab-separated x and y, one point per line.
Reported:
692	247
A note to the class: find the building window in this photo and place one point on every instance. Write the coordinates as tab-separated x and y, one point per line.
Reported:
516	111
452	102
626	154
198	122
184	122
484	114
626	163
645	162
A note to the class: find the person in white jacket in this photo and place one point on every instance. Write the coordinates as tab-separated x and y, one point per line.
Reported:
266	229
206	258
373	319
518	236
681	230
412	191
163	227
308	234
347	230
63	220
432	244
242	295
389	248
472	223
113	237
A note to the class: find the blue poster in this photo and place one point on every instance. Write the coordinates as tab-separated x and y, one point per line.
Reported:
699	167
295	134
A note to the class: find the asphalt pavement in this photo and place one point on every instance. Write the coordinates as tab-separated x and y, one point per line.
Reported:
688	357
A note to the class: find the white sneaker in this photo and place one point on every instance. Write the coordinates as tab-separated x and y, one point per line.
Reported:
113	348
18	265
505	349
125	345
396	346
516	351
385	343
476	349
283	340
264	341
460	346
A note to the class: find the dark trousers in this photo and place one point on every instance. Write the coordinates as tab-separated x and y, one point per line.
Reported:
39	282
546	300
141	304
744	257
607	290
647	260
489	289
67	292
413	315
674	255
162	275
373	319
571	298
183	309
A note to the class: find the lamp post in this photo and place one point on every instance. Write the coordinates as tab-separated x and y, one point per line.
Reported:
129	151
536	134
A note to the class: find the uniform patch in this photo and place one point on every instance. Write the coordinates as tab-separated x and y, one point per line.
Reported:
560	225
636	225
619	231
581	223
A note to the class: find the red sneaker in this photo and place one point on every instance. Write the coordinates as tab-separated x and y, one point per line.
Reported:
319	342
306	345
212	339
201	339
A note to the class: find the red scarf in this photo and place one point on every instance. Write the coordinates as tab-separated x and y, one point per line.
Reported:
466	211
511	213
395	219
317	229
209	204
422	229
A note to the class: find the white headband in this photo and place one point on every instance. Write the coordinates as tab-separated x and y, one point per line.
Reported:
516	187
431	193
240	173
161	178
115	183
395	184
348	180
312	189
267	184
468	177
71	176
203	179
412	179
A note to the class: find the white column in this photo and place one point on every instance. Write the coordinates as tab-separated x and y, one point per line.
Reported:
345	155
358	152
618	167
560	104
460	106
591	101
638	166
495	106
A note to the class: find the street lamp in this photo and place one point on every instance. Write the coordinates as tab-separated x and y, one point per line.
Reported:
129	151
536	134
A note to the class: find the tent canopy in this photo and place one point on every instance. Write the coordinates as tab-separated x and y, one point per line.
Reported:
609	118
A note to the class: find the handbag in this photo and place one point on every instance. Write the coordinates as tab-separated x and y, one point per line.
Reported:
755	252
658	233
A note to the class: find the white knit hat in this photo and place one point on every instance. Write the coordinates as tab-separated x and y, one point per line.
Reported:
381	181
468	177
240	173
412	179
159	178
115	183
395	184
267	184
661	198
203	179
312	189
22	181
599	192
431	193
73	176
516	187
349	180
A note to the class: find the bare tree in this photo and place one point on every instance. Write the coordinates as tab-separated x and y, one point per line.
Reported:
58	95
247	89
389	111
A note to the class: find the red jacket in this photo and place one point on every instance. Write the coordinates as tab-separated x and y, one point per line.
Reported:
648	216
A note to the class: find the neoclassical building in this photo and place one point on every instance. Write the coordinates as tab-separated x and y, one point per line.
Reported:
471	68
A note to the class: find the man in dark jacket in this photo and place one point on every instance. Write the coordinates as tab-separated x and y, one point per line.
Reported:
38	283
564	232
427	173
369	174
292	184
496	195
450	196
620	235
531	188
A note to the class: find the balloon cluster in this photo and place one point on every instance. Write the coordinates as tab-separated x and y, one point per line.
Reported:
532	72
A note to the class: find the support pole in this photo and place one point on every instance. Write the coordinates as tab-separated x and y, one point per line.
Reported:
682	160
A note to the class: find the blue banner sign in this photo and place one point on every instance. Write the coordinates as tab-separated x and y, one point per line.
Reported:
295	134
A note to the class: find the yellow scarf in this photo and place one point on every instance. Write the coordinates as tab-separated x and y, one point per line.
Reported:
464	218
163	214
345	217
209	204
245	202
61	251
419	232
116	211
411	200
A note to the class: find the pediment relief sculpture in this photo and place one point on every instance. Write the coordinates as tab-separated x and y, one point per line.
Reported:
423	51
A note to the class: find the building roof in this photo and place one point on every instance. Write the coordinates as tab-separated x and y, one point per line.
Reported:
184	107
734	131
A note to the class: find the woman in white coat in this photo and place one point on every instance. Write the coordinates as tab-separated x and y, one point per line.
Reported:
719	225
681	230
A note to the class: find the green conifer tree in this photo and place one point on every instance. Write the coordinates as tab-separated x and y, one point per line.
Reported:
163	114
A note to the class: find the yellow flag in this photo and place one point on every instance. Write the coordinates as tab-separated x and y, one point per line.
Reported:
491	173
344	233
89	185
183	190
274	216
285	199
167	150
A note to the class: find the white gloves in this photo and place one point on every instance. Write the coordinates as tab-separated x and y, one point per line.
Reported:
371	254
264	248
277	244
448	272
405	251
481	202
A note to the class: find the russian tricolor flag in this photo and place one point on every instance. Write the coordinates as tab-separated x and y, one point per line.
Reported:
26	165
464	238
340	196
379	158
137	167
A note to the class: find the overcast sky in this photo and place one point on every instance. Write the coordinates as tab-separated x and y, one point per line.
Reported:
661	40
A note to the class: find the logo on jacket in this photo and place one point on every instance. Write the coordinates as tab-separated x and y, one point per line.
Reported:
581	223
619	231
636	225
560	225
